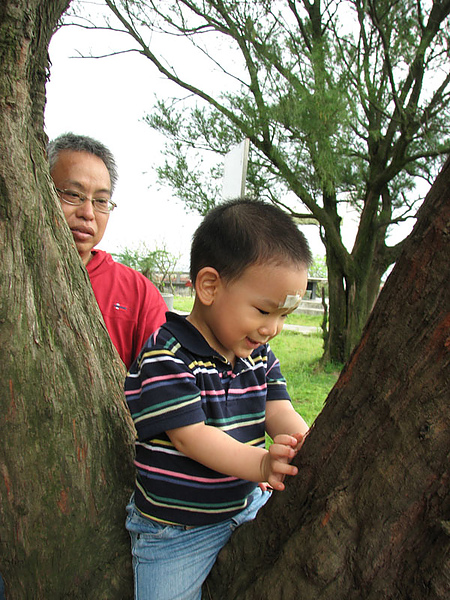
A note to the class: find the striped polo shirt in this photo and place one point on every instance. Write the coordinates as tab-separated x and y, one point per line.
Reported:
179	380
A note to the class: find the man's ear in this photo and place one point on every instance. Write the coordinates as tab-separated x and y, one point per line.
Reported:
206	284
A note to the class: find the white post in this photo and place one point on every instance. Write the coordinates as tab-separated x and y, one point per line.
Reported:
235	171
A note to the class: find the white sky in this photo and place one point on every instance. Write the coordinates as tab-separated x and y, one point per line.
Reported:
107	99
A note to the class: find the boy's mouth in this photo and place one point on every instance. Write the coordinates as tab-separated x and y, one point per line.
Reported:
253	343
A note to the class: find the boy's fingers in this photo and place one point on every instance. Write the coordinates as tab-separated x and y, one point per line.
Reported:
278	486
286	440
284	468
280	451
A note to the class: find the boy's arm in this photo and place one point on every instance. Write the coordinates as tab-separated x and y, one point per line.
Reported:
218	451
281	417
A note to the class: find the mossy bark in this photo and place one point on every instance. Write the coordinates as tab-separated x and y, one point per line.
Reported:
65	437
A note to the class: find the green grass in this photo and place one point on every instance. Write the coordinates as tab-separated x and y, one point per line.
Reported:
299	355
308	383
308	320
184	303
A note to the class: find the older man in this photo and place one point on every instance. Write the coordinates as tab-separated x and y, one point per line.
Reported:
84	173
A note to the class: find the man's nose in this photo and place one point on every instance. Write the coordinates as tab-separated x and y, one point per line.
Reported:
86	210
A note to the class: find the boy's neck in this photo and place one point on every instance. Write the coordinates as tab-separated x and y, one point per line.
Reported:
198	318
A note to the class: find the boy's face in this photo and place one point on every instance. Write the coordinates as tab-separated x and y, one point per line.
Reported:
251	310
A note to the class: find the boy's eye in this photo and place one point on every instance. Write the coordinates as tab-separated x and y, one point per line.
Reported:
263	312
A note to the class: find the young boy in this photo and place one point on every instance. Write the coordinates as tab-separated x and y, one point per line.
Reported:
202	393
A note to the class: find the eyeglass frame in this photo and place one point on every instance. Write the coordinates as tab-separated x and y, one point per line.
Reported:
83	199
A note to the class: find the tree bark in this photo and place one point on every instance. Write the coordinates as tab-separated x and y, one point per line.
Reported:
65	437
367	517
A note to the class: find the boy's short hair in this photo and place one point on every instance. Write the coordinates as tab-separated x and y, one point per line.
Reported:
239	233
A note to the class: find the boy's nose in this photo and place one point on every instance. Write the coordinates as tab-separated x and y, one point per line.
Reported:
271	328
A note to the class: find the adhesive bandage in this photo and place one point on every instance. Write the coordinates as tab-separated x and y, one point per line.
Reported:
291	301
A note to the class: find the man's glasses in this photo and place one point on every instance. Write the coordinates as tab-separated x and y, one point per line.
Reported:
103	205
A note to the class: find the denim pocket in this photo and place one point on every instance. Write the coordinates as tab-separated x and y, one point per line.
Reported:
140	525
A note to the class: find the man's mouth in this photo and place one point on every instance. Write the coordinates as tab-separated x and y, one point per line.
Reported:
82	233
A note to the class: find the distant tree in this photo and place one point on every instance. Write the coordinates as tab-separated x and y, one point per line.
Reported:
141	259
157	265
165	264
343	102
318	267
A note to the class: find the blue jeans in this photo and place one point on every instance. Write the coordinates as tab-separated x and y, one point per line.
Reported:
171	562
2	589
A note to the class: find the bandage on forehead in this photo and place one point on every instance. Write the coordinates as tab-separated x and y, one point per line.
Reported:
291	301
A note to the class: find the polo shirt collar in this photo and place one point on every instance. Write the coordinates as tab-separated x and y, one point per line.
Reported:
193	341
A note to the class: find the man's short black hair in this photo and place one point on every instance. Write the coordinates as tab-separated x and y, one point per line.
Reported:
239	233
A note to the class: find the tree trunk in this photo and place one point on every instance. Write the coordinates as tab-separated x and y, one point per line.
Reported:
353	290
367	517
65	436
334	346
350	302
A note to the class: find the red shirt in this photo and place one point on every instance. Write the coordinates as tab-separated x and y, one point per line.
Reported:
131	305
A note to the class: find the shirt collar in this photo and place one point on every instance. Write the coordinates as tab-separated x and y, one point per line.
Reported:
188	335
193	341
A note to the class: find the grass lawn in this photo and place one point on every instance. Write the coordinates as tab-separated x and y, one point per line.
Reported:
184	303
299	355
308	320
308	383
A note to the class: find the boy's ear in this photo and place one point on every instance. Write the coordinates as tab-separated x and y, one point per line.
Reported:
206	285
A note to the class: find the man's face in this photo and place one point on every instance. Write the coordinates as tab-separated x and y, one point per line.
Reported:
85	173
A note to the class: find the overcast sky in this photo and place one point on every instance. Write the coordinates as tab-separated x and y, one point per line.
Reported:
106	99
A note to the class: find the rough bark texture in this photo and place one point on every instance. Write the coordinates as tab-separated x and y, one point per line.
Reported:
65	437
368	516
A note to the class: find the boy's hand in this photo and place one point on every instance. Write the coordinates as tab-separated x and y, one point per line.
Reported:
275	463
215	449
300	439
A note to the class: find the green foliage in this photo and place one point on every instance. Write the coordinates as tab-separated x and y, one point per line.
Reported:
318	267
319	111
182	170
137	258
157	265
318	87
346	101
